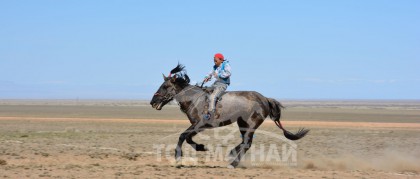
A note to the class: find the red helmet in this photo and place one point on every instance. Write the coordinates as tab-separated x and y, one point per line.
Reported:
219	55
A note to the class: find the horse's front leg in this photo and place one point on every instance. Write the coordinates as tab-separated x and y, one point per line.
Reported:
182	137
197	147
187	135
178	149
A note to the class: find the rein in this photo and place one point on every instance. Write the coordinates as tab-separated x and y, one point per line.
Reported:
192	104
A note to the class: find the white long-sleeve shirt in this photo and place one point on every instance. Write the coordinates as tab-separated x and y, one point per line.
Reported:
221	73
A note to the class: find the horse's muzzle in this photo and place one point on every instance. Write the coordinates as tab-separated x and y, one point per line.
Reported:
157	106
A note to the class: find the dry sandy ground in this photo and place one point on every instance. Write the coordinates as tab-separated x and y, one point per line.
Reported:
95	141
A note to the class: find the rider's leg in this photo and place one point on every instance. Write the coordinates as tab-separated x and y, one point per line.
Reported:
219	88
212	100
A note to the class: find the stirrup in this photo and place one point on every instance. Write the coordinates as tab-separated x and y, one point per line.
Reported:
207	116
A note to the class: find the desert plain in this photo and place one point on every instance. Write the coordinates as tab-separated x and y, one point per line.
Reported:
130	139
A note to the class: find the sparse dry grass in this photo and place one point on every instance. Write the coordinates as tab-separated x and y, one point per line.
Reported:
87	148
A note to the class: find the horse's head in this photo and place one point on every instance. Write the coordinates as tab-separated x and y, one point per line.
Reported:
171	86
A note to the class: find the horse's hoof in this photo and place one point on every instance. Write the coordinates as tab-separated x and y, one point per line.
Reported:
178	163
200	147
230	167
234	164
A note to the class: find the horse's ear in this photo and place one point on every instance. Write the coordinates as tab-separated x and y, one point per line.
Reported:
164	77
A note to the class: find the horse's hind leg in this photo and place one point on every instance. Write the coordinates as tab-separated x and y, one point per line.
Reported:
243	148
247	129
242	128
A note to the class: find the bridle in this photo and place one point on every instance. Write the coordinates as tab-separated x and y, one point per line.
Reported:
170	96
166	97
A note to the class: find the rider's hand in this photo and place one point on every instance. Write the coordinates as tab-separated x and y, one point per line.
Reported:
206	79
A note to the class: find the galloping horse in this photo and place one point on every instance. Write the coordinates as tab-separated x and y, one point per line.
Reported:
247	108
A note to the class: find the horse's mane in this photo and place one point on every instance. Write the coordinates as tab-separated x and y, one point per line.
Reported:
178	68
180	74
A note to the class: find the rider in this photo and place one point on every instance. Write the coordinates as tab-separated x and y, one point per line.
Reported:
221	72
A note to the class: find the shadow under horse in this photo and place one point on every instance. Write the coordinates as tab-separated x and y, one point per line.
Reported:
247	108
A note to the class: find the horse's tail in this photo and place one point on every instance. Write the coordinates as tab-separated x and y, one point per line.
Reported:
275	114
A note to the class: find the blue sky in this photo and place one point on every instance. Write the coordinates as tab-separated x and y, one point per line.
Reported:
348	49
